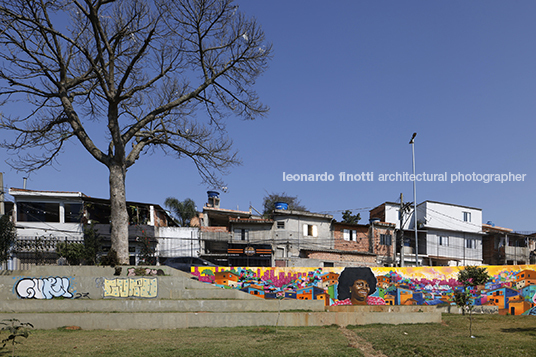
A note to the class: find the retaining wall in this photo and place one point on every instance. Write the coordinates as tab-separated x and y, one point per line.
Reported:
83	299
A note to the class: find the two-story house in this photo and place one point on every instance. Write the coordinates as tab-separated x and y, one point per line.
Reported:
233	237
300	238
453	233
240	238
448	234
44	218
503	246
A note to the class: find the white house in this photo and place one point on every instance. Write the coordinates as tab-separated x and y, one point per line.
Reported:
448	234
44	218
453	233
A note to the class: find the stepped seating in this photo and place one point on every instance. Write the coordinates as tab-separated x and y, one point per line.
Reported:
95	298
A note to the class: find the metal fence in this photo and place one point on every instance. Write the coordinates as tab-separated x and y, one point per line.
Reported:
39	250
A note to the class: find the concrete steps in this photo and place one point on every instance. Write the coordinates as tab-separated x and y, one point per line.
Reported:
178	302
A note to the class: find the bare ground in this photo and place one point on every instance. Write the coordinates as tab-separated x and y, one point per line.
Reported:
355	341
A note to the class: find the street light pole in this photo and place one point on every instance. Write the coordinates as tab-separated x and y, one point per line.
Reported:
412	142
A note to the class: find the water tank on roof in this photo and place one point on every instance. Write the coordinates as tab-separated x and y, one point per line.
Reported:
490	223
281	205
213	199
212	194
374	220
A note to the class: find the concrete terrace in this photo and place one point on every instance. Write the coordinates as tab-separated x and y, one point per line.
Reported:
175	301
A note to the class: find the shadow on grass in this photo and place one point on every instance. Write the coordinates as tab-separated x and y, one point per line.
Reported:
529	330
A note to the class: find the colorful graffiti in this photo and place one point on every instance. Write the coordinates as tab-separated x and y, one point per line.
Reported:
43	288
130	287
511	288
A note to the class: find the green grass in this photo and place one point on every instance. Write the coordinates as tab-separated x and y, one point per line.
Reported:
494	335
225	342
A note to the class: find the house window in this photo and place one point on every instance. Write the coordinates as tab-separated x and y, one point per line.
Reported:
73	212
470	244
467	216
444	241
241	234
350	235
38	212
310	230
385	239
280	225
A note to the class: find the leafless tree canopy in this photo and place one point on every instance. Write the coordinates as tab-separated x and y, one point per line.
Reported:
130	74
142	68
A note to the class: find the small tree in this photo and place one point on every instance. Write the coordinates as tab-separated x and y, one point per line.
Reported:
473	276
148	249
73	252
85	253
16	329
347	217
92	244
270	200
8	236
470	277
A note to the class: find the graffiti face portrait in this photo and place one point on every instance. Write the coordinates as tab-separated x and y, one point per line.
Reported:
359	290
356	284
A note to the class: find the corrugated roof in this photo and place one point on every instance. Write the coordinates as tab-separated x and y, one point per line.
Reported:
251	220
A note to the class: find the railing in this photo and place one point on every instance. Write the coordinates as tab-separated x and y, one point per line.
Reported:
515	253
38	250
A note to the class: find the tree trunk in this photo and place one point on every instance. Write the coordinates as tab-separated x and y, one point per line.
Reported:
119	214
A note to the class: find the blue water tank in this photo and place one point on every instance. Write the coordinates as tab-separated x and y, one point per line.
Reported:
281	205
213	194
490	223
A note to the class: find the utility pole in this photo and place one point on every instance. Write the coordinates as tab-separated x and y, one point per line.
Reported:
401	230
412	142
2	210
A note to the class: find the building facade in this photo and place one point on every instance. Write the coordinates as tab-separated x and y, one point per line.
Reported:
45	218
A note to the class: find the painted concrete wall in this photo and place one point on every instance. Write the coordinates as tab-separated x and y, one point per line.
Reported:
384	286
512	289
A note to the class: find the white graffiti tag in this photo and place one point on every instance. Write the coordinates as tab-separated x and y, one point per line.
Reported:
43	288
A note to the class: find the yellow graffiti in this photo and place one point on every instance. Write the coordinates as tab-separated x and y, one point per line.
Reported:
425	272
131	287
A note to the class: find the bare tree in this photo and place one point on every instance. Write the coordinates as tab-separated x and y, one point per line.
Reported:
125	78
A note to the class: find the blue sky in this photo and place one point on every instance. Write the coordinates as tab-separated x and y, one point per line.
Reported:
349	83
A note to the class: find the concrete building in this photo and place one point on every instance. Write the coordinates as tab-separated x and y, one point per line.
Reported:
503	246
448	234
300	237
45	218
233	237
453	234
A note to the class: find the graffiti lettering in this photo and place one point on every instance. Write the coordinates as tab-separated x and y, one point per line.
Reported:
130	287
81	295
43	288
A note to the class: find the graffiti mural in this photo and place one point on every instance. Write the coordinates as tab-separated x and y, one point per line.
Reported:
43	288
130	287
511	288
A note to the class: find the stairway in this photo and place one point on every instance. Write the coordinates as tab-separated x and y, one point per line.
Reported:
95	298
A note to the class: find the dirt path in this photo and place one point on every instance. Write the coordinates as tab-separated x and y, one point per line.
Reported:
357	342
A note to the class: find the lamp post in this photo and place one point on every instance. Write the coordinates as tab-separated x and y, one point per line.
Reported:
412	142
